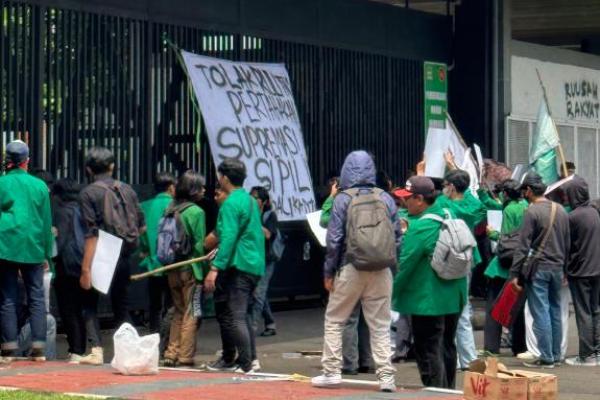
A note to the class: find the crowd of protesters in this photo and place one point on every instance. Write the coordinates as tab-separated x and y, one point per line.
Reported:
390	298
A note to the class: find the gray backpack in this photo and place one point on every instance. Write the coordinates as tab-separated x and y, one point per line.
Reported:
453	254
370	236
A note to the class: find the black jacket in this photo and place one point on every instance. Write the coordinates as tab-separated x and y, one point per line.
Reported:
584	223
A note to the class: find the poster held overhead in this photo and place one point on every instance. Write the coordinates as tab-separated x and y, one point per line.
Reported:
250	115
314	221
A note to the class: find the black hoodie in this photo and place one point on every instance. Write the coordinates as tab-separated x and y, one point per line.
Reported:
584	222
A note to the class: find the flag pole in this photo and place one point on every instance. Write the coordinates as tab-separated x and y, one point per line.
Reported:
561	153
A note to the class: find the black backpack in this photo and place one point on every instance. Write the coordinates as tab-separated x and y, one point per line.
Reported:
120	213
71	243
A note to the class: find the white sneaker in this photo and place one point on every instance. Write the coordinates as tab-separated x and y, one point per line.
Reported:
256	366
96	357
590	361
74	358
387	386
327	380
526	356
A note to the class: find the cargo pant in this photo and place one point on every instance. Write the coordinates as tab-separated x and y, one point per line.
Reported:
182	337
373	289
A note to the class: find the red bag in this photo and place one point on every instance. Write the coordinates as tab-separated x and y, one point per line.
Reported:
508	305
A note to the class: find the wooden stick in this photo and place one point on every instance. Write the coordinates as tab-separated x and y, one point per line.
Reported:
173	266
563	162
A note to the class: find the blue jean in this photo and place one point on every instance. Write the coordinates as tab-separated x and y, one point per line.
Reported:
261	307
25	338
543	295
33	278
465	341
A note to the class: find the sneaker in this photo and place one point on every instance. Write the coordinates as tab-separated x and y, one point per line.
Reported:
240	370
96	357
7	356
366	370
73	358
526	356
268	332
256	366
327	380
222	366
348	371
590	361
539	364
37	355
387	386
169	363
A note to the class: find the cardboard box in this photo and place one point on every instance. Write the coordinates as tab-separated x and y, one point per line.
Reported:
540	386
490	380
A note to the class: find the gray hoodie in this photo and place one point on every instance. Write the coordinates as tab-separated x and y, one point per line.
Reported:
358	171
584	223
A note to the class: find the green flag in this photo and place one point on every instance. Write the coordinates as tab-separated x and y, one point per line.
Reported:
542	155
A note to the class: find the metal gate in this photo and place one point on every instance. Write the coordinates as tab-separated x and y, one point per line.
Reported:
72	79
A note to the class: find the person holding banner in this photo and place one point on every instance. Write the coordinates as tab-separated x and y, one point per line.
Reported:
236	270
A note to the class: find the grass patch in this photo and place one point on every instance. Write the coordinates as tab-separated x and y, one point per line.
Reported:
22	395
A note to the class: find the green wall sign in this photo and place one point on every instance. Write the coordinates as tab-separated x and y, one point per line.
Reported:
436	94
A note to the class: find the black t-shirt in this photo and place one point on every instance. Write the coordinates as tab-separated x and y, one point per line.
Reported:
269	220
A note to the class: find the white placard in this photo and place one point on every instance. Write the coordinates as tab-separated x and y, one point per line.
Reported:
250	115
104	263
314	221
438	142
494	219
479	159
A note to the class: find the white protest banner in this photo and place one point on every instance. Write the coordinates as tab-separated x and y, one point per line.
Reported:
479	159
250	115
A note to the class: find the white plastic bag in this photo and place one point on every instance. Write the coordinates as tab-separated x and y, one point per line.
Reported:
135	355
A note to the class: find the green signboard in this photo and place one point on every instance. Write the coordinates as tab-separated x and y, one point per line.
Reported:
436	95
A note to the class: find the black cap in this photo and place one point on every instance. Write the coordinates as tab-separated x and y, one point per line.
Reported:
416	185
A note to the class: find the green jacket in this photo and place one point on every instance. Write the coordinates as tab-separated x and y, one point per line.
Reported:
417	288
25	219
153	210
489	202
194	221
512	219
470	210
326	211
241	239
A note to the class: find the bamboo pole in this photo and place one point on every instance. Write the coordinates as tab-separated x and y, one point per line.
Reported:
171	267
561	153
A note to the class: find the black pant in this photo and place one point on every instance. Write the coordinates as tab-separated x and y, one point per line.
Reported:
435	349
492	331
69	296
89	302
233	306
160	301
519	341
586	301
119	290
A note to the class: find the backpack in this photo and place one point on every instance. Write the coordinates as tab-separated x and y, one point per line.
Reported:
453	254
370	236
120	213
173	244
278	244
71	249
